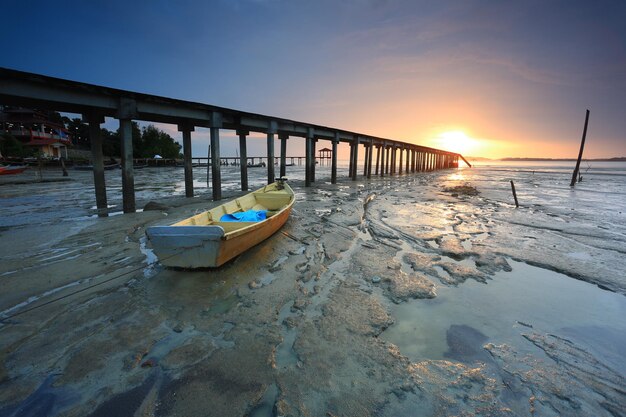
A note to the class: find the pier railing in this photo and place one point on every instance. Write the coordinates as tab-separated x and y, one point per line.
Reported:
95	103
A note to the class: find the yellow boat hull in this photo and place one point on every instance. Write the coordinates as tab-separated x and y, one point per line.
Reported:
202	242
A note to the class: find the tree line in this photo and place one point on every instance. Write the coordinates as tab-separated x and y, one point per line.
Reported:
148	141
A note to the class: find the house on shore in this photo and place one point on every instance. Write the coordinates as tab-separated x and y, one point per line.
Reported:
37	129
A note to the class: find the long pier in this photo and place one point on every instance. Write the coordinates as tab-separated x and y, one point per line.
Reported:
95	103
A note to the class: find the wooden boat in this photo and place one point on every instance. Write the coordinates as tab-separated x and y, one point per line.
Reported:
12	169
259	165
204	241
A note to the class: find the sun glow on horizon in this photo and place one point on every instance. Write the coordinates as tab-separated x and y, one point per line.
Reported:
456	141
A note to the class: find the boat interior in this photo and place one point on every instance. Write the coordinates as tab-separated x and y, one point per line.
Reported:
268	198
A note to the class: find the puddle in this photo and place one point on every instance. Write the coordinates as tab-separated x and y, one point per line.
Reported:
472	314
47	400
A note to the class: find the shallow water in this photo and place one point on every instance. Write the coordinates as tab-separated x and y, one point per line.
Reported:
74	200
524	300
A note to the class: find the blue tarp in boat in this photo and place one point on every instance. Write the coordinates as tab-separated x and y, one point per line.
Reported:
245	216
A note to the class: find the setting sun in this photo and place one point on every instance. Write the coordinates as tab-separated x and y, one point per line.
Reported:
456	141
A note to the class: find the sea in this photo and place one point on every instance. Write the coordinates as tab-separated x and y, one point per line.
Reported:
52	202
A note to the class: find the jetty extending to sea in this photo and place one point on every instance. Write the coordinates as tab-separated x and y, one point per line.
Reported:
95	103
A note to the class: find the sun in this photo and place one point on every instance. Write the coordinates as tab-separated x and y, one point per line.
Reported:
455	141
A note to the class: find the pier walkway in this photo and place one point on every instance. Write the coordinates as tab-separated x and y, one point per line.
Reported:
94	103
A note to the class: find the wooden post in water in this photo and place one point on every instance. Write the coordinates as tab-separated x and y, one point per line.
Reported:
243	158
95	136
216	174
186	130
514	193
62	160
580	153
333	168
400	160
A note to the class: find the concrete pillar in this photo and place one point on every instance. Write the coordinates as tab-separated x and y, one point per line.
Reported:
270	152
186	130
95	136
394	155
377	160
356	158
369	160
367	151
387	158
243	158
216	172
308	157
408	160
283	154
351	160
400	160
128	179
313	163
333	168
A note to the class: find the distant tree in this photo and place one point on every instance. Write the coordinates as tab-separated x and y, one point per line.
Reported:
157	142
147	142
79	132
55	116
111	143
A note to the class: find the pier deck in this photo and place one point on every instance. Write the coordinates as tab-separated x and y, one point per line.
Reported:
95	103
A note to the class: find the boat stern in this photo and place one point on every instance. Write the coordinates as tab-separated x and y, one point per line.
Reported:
186	246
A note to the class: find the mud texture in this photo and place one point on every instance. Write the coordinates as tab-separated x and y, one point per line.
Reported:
293	326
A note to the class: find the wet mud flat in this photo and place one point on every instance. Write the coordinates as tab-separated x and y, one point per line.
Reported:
418	295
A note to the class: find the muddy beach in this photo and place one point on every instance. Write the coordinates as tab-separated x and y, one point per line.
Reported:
425	294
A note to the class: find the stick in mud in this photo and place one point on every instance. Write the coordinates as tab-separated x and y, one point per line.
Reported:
514	194
63	166
580	153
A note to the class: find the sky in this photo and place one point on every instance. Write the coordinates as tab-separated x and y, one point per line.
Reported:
484	78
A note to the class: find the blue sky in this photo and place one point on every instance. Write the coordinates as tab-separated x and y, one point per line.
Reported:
516	76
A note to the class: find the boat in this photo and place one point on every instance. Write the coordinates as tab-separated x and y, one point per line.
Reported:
12	169
207	241
90	167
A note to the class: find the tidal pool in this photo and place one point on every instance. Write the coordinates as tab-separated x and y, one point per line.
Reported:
460	320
